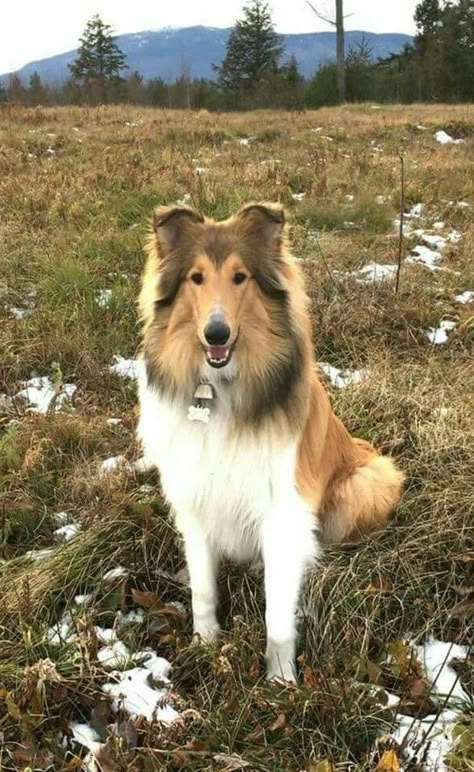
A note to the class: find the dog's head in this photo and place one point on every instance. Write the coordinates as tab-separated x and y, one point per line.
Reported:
216	296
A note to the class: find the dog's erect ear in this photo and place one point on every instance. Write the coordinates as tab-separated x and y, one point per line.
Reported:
170	221
267	221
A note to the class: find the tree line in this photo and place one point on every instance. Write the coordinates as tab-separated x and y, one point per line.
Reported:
257	73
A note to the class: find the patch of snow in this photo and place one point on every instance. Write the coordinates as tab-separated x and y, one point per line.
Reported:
103	297
114	421
430	739
416	211
420	127
20	313
67	532
83	600
246	141
436	657
85	735
438	242
381	199
125	368
454	237
342	378
437	335
445	139
105	634
133	690
298	196
114	464
133	617
62	631
438	226
114	655
115	573
425	256
374	272
349	197
465	297
39	394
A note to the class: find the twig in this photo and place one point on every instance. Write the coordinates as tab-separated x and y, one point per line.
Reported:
325	18
402	217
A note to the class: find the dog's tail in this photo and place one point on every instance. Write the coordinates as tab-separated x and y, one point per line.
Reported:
361	501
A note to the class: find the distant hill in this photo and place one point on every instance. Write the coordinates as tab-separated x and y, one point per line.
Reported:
167	52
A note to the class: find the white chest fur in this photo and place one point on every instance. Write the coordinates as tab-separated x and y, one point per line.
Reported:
228	483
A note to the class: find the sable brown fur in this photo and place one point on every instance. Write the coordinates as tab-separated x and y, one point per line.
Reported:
276	386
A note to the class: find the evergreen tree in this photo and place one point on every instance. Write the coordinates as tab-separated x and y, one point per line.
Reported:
457	42
100	61
253	50
135	88
428	19
37	92
16	92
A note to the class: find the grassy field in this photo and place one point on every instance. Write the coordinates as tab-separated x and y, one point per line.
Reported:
77	188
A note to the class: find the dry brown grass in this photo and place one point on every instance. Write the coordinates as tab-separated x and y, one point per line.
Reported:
73	222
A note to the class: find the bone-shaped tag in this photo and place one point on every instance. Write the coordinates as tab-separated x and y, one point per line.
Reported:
197	413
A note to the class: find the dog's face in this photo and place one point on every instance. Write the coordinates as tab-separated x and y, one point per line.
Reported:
221	291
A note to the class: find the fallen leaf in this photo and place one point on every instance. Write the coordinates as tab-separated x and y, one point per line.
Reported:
463	609
320	766
231	761
279	723
388	763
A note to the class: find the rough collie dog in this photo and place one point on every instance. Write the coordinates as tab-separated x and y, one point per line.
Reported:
235	417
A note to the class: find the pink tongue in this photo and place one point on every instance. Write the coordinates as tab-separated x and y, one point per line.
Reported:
217	352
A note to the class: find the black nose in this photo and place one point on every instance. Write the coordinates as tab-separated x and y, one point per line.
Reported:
217	332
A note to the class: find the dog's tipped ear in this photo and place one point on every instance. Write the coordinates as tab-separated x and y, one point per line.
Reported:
266	220
170	221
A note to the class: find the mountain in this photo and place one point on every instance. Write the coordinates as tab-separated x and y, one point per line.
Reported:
168	52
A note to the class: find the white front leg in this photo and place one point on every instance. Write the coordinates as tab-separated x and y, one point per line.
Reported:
202	564
289	547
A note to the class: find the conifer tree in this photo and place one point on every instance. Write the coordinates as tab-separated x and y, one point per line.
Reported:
100	60
253	50
37	94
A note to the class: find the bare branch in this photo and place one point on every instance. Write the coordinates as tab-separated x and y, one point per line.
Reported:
325	18
320	15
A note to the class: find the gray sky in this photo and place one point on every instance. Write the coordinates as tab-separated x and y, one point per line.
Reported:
31	29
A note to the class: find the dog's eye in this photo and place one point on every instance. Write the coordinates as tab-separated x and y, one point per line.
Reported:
197	278
239	278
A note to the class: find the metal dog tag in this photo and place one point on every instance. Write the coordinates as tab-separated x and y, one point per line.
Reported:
196	411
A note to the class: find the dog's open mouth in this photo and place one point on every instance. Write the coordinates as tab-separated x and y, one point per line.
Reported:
218	356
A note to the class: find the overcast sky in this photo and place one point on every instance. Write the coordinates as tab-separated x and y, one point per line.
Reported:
31	29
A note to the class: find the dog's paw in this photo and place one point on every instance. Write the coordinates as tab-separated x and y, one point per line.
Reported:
205	633
280	662
282	676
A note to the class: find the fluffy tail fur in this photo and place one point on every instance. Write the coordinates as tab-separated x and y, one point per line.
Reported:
362	501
